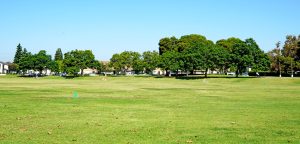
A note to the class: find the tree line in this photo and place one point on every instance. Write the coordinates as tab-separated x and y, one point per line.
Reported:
194	52
70	63
287	58
188	54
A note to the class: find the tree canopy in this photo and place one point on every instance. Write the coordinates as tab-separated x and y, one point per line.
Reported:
58	55
188	54
78	60
18	55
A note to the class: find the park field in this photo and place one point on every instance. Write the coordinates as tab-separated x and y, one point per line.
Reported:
148	110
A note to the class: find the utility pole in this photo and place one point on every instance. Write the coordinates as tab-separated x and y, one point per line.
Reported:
279	63
292	57
292	67
278	57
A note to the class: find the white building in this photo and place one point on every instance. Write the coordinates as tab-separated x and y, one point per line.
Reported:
3	68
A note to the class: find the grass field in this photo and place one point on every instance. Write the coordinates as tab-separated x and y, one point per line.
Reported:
141	110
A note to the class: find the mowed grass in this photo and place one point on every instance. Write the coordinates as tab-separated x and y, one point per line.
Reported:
139	110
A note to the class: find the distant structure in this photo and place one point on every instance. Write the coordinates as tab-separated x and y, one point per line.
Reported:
3	68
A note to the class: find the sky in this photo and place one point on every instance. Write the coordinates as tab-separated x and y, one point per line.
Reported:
112	26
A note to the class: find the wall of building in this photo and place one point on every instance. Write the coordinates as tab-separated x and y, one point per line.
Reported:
3	68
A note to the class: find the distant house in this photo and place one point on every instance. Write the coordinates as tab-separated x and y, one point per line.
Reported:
88	71
3	68
158	71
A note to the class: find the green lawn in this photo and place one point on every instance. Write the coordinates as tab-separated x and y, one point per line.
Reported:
130	110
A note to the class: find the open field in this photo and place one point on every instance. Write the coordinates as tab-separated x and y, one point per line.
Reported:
149	110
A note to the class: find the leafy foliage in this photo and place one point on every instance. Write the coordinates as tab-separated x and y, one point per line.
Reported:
18	54
58	55
168	44
150	61
78	60
41	61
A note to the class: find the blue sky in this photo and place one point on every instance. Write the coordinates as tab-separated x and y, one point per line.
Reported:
112	26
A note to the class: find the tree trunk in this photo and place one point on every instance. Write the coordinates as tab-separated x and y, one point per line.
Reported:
206	72
237	73
187	73
81	73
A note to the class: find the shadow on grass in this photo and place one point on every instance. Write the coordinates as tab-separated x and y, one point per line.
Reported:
214	77
70	77
43	76
29	76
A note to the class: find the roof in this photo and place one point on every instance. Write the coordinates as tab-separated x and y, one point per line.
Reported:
6	63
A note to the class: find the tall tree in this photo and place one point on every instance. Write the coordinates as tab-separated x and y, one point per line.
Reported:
261	61
241	54
290	46
191	49
291	49
56	66
26	62
168	44
126	60
137	62
86	60
214	57
192	40
115	63
58	55
24	51
70	63
276	59
150	61
189	60
228	45
18	54
78	60
170	61
42	61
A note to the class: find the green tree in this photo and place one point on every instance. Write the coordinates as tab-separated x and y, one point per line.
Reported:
150	61
56	66
106	67
99	66
86	60
42	61
78	60
276	59
228	45
24	52
214	57
115	63
189	60
26	62
168	44
241	57
170	61
197	52
290	46
58	55
137	62
126	61
191	41
261	61
13	67
70	63
18	54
